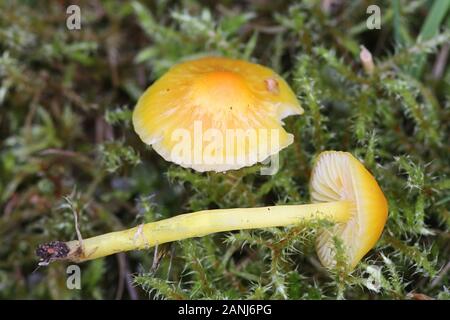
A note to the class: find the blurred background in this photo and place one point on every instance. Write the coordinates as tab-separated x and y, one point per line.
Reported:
67	145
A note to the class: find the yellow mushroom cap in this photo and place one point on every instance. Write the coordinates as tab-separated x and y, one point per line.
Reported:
195	114
339	176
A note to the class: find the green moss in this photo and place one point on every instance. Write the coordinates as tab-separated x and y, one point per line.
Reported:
61	130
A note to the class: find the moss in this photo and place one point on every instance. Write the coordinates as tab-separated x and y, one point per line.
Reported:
66	146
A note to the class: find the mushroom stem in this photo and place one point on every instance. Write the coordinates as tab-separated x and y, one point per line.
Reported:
195	224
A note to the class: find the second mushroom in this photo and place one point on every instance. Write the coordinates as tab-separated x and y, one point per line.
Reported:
342	191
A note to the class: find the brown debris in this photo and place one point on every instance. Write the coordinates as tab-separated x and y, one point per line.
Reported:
50	251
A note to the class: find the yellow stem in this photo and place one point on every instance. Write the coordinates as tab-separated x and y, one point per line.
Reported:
205	222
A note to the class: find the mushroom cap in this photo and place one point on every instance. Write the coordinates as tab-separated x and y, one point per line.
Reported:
208	98
339	176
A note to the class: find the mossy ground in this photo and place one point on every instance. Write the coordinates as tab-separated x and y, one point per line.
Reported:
67	145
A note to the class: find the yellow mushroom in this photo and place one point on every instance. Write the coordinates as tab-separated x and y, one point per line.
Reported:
338	176
216	114
342	190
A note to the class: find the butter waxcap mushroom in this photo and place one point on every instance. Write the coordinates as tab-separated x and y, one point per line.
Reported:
338	176
344	192
223	99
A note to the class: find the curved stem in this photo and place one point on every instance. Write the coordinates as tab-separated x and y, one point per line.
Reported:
198	224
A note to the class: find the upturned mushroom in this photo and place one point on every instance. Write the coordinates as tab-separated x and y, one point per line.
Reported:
342	191
216	114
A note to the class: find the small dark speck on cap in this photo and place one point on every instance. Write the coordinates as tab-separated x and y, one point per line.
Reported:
272	85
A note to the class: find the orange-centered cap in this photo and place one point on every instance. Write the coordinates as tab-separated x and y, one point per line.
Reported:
338	176
216	114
